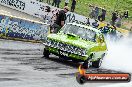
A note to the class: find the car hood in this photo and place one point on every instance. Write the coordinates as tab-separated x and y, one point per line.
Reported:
72	40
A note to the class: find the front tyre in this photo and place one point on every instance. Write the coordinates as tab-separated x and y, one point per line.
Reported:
88	62
97	64
46	53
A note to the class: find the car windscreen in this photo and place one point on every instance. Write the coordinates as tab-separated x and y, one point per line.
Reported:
82	32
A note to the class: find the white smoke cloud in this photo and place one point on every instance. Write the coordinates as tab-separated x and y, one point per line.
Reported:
119	56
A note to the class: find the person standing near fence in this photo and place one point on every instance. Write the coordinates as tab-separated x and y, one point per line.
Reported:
126	14
96	12
58	3
73	5
114	17
102	16
54	3
92	13
118	21
66	2
60	20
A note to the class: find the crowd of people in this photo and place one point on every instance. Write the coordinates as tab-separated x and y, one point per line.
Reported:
56	3
99	13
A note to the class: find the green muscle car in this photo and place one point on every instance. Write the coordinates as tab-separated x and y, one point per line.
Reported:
77	42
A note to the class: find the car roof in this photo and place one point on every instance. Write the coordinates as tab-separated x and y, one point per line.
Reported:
86	26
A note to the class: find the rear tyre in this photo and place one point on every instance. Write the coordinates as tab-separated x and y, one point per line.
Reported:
46	53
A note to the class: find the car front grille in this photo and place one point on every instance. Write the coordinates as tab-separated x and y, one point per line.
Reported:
65	47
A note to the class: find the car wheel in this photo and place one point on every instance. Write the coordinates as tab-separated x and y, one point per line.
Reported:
97	64
87	63
46	53
80	79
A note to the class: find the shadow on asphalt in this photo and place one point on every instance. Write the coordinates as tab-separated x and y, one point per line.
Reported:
63	61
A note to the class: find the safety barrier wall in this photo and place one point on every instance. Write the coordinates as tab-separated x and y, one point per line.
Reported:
38	9
21	29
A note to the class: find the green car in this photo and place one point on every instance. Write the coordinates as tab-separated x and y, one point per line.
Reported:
79	43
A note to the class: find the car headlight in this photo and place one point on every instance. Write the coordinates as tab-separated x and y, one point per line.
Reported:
72	49
54	43
57	45
62	46
65	47
79	51
75	50
68	48
48	42
83	52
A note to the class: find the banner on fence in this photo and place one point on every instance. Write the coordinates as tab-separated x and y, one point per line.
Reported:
11	27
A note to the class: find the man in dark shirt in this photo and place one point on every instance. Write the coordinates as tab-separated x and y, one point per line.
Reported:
126	14
102	16
73	5
114	17
60	20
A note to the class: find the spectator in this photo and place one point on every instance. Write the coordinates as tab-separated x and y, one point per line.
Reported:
102	16
48	1
60	20
114	17
58	3
73	5
126	14
54	3
66	2
46	18
96	12
88	22
118	21
92	13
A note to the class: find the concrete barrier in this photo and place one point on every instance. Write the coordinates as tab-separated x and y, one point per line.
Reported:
22	29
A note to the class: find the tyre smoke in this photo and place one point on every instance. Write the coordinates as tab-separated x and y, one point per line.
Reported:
119	55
